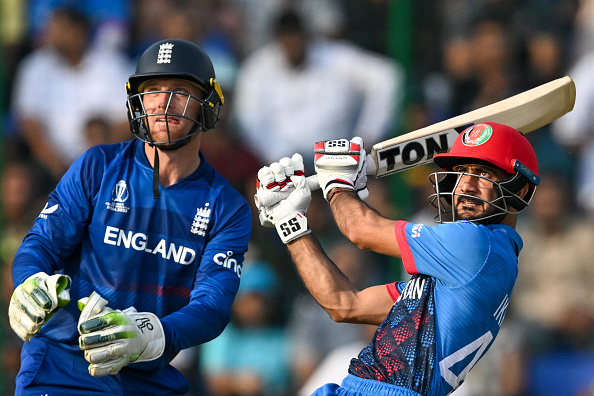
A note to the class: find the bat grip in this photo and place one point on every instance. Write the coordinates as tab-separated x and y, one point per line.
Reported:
269	198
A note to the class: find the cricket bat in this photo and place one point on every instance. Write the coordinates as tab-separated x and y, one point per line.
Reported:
526	112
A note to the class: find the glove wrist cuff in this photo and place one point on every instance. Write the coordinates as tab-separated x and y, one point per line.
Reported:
292	227
150	326
339	184
337	191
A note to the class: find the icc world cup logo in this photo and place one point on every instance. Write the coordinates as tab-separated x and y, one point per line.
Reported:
120	192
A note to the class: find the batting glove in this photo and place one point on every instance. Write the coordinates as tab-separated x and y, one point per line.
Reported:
112	338
36	300
341	163
287	215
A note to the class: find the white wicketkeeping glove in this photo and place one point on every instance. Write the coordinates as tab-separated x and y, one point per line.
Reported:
343	164
288	215
112	338
36	300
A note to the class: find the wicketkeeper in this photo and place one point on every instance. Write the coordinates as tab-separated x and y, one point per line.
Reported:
144	237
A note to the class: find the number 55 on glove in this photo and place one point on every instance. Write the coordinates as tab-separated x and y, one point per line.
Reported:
288	215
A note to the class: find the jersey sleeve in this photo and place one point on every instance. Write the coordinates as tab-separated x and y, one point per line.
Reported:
216	284
59	228
395	289
452	253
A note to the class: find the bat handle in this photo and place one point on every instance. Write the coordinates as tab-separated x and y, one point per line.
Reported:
268	198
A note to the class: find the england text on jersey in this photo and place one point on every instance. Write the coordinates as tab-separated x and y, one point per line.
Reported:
139	241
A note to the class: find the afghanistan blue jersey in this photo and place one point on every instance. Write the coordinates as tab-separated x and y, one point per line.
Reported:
179	256
450	311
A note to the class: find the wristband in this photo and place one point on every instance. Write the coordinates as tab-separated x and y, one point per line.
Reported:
338	190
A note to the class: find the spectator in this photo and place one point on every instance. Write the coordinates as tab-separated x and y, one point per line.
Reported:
212	25
575	131
98	131
111	18
554	280
493	62
20	201
324	16
299	89
61	84
250	357
479	68
546	61
13	43
584	28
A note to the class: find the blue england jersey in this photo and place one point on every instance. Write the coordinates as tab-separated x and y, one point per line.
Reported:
450	311
179	256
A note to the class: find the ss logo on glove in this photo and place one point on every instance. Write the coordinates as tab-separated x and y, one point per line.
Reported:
290	227
338	143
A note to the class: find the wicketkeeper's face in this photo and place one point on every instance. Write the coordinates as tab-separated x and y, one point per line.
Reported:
172	105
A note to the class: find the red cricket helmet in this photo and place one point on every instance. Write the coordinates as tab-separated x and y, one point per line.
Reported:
498	145
493	144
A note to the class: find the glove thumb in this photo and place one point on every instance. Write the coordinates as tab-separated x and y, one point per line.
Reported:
58	287
301	197
90	306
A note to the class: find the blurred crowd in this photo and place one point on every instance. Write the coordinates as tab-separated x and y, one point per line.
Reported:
295	72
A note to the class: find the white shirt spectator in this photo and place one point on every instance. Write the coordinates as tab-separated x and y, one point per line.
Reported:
576	130
62	98
342	90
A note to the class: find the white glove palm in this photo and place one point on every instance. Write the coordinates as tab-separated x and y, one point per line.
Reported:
288	215
112	338
36	300
343	164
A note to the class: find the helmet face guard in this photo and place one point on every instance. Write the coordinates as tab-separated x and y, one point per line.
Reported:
445	197
174	59
494	145
206	118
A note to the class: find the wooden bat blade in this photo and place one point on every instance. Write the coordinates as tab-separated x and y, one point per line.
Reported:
526	111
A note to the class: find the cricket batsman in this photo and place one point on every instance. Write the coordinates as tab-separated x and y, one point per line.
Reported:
434	328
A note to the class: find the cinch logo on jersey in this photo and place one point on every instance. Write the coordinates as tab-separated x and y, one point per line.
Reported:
476	135
139	241
119	195
201	220
227	261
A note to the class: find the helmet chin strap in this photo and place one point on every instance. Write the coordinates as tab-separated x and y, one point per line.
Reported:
156	194
174	146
